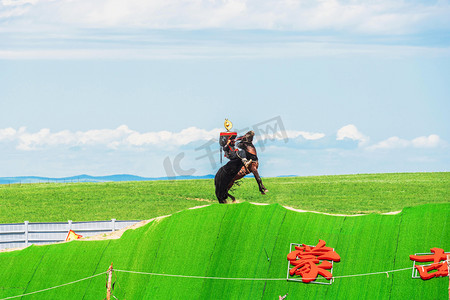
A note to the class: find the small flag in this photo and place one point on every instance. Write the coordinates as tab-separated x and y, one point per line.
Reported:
73	236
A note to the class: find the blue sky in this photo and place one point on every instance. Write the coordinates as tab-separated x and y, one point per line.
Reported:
139	87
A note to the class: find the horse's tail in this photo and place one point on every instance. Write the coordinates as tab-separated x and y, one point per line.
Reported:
221	188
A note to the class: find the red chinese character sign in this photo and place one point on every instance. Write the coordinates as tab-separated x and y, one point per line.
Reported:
438	267
311	261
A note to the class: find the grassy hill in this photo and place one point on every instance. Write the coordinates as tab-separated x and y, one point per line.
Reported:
231	241
351	194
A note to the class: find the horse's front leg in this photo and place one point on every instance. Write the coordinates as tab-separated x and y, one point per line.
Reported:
262	188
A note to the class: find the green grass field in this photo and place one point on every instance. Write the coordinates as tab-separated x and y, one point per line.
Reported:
351	194
230	241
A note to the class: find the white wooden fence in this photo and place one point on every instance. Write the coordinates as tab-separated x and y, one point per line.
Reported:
20	235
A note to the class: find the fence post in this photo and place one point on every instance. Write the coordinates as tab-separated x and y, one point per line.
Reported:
108	285
113	224
26	233
70	224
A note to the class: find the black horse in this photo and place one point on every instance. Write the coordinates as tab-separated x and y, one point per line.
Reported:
235	170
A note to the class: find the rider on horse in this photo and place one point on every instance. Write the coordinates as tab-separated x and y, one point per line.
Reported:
243	161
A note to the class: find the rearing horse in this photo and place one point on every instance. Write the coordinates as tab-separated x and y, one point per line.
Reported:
234	170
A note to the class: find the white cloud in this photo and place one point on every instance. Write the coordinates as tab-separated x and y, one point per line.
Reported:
114	29
103	136
351	132
140	152
183	137
384	16
7	133
44	137
28	140
18	2
431	141
124	137
292	134
111	138
390	143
